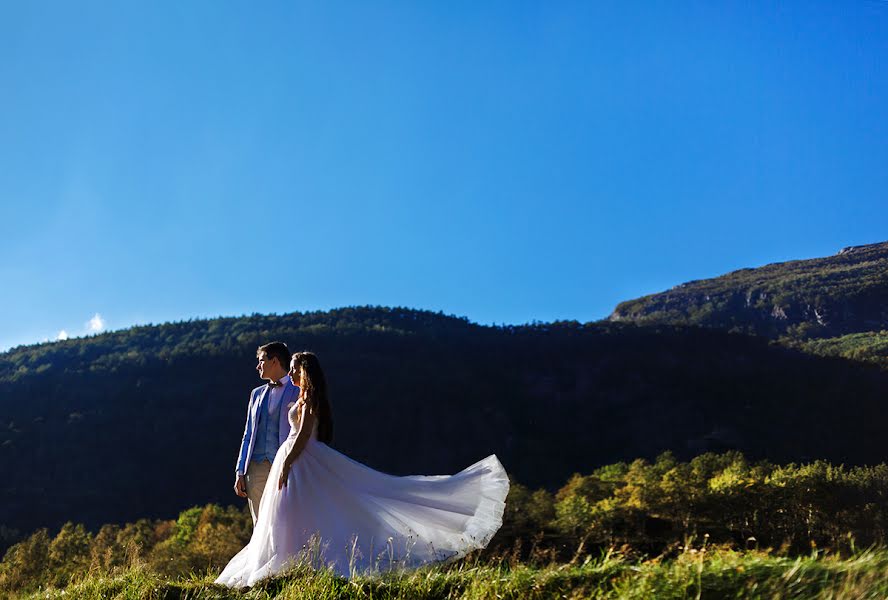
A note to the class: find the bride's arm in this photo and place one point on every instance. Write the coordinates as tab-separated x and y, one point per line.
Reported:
306	425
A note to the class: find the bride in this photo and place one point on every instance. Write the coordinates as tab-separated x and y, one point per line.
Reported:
321	507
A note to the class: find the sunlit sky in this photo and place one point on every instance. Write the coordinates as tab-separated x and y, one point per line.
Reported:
503	161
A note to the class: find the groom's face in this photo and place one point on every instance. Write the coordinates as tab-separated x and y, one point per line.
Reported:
266	366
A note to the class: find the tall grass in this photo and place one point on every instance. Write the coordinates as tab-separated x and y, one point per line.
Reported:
695	573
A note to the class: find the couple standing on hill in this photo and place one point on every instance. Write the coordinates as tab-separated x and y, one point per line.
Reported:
312	503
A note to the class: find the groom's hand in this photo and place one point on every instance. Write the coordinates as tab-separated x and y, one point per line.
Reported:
240	486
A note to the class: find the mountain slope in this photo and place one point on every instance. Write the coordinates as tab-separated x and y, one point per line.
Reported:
823	297
146	422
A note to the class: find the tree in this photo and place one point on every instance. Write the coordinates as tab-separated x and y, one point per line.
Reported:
69	554
24	566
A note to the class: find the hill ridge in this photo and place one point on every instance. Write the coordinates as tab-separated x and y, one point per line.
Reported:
145	421
810	298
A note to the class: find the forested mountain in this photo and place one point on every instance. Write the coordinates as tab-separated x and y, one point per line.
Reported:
146	421
801	299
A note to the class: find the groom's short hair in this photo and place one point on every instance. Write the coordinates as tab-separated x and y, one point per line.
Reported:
276	350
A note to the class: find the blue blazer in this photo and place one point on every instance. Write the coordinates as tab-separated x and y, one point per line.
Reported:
291	394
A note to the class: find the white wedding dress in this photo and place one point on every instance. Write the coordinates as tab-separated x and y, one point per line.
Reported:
335	512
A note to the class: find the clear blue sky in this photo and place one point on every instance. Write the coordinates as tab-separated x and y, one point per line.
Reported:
504	161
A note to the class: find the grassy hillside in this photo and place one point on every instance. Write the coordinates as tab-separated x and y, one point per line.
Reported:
869	346
719	524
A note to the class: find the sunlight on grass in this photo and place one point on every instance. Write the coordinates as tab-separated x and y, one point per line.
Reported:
694	573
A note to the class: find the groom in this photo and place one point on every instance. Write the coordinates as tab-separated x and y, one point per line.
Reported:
267	425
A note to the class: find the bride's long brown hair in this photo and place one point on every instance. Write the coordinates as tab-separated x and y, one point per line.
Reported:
314	392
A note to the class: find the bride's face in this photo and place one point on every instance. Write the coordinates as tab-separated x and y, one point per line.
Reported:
295	373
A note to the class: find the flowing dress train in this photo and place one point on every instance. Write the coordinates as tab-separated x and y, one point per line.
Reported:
338	513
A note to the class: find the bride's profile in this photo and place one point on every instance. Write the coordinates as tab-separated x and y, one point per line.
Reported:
322	507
